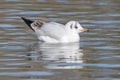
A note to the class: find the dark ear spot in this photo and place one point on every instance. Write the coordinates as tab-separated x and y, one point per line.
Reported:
71	26
76	26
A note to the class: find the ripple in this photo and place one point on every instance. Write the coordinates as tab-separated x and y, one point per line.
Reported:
80	65
108	47
12	47
105	22
28	73
6	25
31	12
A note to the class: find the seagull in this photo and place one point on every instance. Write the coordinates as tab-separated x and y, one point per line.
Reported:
53	32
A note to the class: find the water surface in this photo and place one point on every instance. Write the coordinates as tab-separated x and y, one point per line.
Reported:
96	57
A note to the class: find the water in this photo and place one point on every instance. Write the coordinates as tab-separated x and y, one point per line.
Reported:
96	57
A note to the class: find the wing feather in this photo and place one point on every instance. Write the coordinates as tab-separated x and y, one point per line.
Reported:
53	30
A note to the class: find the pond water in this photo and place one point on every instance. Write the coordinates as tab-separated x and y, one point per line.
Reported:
96	57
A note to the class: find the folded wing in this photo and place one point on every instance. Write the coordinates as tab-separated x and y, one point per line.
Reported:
53	30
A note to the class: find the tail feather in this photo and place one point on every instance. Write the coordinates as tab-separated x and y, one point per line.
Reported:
28	22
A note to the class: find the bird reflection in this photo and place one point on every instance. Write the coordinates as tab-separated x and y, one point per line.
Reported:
58	56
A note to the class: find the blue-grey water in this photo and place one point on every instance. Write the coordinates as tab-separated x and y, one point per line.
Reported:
96	57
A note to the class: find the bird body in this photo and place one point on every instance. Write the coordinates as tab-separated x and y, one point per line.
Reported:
53	32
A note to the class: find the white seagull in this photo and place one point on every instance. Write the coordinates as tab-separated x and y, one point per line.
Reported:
52	32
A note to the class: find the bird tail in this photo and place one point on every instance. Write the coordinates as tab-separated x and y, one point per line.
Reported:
28	22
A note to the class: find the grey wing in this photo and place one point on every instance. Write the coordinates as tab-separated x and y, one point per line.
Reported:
54	30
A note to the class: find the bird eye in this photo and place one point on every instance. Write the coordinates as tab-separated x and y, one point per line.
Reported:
76	27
